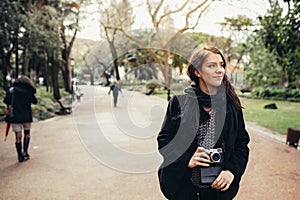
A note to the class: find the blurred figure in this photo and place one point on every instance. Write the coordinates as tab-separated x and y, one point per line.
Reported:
22	92
115	88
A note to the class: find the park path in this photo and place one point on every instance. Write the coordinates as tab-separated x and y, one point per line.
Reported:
69	162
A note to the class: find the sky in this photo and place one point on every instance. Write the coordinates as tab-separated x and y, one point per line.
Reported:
208	22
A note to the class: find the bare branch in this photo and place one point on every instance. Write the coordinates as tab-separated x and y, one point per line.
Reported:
158	7
149	11
149	7
186	26
154	14
199	16
114	27
172	12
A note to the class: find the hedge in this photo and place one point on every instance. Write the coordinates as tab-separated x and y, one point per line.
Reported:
277	93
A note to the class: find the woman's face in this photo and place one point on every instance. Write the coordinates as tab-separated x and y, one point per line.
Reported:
211	73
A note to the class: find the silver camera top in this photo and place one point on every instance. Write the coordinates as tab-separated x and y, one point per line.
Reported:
216	155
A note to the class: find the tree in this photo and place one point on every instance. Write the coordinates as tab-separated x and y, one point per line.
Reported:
280	35
115	15
69	29
42	45
93	64
161	41
34	40
261	70
11	20
167	38
238	28
291	40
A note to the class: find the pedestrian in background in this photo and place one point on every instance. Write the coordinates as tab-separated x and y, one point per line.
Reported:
207	120
115	88
23	94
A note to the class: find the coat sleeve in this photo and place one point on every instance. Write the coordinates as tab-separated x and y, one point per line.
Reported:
239	152
169	127
172	175
34	99
7	98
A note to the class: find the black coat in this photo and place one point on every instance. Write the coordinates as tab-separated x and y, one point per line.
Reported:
177	142
23	97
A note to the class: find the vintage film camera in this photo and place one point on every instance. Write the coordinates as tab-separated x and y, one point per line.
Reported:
216	155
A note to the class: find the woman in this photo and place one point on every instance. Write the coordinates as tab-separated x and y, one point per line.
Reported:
21	95
208	116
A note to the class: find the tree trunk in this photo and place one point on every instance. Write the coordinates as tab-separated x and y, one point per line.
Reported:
17	58
115	59
46	80
5	60
25	66
66	56
55	82
66	72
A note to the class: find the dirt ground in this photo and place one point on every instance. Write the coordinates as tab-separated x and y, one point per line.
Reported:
61	167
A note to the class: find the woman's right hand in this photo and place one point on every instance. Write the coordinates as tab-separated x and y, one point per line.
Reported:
200	158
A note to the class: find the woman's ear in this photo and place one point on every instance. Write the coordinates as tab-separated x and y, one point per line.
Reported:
197	73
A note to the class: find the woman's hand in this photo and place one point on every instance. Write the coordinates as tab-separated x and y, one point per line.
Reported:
200	158
223	181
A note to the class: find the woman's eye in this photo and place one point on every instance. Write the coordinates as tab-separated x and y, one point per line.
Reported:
211	65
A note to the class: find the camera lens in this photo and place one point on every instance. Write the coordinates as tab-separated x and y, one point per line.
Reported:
216	157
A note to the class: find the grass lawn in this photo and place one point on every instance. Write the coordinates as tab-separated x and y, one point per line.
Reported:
286	116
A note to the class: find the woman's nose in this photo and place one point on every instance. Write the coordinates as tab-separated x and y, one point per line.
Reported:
220	68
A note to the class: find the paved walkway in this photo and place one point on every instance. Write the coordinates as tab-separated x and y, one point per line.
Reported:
93	154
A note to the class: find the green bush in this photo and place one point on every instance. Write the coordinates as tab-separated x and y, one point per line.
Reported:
153	84
295	93
255	92
276	93
2	105
293	99
266	93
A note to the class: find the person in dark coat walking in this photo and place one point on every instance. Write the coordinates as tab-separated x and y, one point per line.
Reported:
115	88
23	94
203	139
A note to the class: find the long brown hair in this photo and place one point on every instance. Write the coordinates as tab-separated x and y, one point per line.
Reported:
196	61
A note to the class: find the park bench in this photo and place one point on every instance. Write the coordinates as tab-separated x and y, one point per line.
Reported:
245	90
150	92
63	109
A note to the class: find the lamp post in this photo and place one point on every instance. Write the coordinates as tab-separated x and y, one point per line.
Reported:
72	66
73	82
170	61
